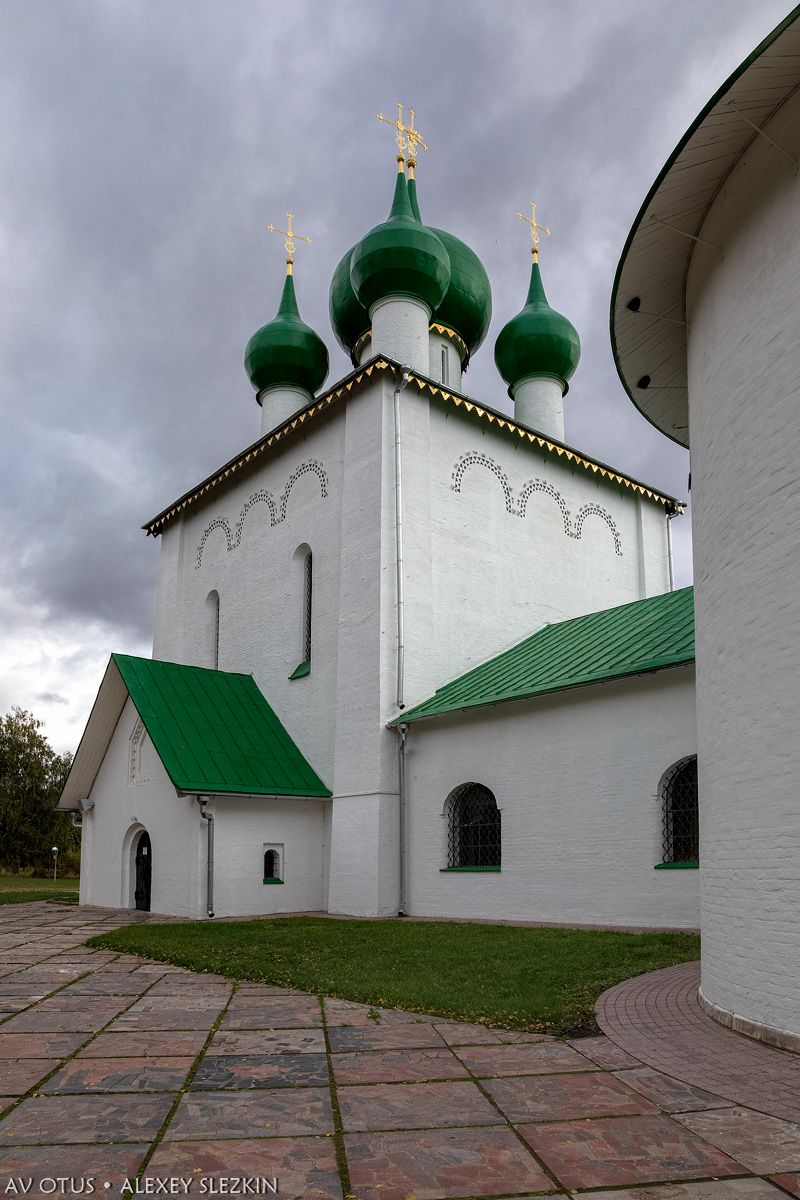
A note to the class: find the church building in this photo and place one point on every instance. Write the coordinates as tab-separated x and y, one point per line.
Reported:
411	655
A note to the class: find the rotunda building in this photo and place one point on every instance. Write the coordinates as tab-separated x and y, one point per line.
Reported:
705	312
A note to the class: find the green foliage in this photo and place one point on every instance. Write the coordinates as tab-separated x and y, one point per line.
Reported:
32	776
504	975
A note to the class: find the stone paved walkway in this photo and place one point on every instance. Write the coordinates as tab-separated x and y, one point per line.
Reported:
114	1067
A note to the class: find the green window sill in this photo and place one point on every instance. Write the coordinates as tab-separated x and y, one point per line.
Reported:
272	879
464	870
302	670
690	865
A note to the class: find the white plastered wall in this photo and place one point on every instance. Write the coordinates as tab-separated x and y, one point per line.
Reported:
743	308
123	807
260	583
576	776
244	826
478	575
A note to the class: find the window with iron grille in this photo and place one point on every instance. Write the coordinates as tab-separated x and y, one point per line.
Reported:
679	814
473	828
307	590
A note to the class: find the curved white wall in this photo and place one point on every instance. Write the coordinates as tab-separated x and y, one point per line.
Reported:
744	385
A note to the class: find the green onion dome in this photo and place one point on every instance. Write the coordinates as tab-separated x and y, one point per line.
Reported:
400	257
538	342
467	304
286	352
349	318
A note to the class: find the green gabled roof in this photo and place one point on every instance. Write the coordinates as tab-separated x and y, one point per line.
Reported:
214	731
634	638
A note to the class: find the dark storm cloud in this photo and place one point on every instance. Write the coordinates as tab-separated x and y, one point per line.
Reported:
146	146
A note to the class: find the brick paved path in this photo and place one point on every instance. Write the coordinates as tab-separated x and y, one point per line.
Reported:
114	1067
657	1018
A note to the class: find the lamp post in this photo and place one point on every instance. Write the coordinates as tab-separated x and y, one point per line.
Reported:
55	863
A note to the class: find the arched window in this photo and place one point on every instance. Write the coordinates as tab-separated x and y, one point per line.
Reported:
212	629
473	827
272	866
308	586
679	812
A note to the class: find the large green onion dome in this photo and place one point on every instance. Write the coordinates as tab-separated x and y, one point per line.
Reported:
538	342
467	304
286	352
400	257
349	318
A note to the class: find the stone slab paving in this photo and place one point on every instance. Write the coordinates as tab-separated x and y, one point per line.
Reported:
115	1069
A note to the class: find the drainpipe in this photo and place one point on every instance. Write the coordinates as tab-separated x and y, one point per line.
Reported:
670	517
76	814
203	801
402	730
398	527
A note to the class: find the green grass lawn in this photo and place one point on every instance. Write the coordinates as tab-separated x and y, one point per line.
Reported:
19	889
496	974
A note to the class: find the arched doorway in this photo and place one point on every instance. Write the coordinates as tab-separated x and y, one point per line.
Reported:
143	863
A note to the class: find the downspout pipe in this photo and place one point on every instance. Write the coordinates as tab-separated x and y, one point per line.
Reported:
401	381
209	817
402	732
670	518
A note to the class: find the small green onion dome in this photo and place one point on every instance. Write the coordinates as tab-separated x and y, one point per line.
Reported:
286	352
349	318
400	257
538	342
467	304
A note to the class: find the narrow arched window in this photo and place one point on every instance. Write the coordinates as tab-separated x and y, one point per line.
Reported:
271	864
679	813
308	587
473	827
212	630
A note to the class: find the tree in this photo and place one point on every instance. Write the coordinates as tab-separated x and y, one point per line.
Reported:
32	776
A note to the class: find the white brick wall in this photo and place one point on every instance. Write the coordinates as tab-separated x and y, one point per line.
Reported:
178	840
576	777
478	577
744	385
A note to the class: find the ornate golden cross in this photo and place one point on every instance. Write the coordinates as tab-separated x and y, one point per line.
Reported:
406	136
291	239
414	138
536	229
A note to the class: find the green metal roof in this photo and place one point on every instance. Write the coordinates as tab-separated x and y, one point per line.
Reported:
214	731
634	638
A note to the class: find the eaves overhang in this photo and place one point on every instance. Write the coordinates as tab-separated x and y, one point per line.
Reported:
481	412
648	310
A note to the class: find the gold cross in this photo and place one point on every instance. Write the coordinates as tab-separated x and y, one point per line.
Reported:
414	138
536	229
291	239
406	137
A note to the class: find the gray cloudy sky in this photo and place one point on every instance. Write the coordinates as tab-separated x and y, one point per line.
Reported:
145	146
